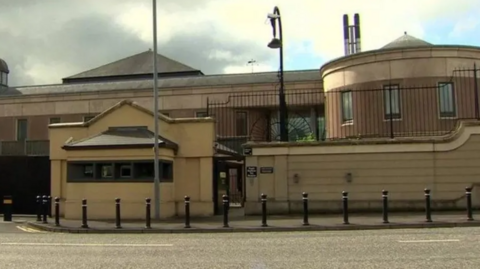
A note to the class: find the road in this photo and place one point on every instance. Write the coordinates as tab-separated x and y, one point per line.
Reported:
422	248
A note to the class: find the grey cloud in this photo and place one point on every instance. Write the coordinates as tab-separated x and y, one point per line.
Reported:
80	35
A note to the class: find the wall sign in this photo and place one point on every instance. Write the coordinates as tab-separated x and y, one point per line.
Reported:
251	171
266	170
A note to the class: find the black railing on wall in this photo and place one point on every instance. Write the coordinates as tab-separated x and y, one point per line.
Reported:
391	109
25	148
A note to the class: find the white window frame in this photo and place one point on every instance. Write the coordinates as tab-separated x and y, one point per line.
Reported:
396	102
447	109
346	107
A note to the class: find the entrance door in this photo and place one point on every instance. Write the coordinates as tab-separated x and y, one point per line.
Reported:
236	185
228	179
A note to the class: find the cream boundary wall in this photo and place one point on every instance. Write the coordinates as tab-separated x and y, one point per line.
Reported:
391	64
403	167
192	166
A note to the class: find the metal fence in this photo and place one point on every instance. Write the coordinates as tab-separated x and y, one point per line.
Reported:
254	116
392	110
397	108
25	148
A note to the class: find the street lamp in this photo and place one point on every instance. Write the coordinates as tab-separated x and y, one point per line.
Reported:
156	162
277	43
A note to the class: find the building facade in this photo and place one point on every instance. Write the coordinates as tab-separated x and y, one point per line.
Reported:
407	88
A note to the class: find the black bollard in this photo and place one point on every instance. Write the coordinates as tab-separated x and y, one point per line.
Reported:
148	213
44	208
84	214
468	196
428	210
345	207
264	210
7	208
118	224
225	210
49	207
57	211
187	212
305	209
39	208
385	206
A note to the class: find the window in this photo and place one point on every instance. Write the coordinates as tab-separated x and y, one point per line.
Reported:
88	170
118	171
124	170
241	123
166	171
105	170
22	129
201	114
144	170
446	100
347	106
55	120
80	171
87	118
391	95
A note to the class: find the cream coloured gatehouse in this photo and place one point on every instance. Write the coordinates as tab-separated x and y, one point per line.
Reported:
111	156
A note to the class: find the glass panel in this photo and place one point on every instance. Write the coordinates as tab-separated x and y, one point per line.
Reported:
88	170
347	106
392	101
106	170
241	123
446	100
322	128
22	130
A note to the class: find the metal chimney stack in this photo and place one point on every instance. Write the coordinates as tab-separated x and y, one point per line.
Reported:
351	35
356	19
346	34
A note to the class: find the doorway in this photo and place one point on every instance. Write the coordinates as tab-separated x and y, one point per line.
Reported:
229	179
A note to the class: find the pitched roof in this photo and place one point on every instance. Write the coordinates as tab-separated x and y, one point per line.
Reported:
167	83
407	41
121	137
137	64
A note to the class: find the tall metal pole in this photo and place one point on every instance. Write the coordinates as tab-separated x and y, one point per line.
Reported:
281	94
156	163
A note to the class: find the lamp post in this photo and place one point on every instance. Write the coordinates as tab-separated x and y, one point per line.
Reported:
156	163
277	43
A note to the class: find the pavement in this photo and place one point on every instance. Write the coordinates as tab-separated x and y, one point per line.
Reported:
403	249
275	224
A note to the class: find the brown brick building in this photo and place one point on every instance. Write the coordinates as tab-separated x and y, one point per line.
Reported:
407	88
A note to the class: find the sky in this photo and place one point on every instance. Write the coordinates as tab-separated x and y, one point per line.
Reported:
45	41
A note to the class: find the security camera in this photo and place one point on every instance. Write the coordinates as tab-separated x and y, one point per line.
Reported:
273	16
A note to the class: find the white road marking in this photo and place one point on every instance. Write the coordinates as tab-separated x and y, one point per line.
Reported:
84	245
430	241
29	230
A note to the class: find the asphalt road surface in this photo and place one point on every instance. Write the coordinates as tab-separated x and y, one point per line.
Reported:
423	248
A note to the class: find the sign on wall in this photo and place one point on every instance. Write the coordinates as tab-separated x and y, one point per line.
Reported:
266	170
247	151
251	171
